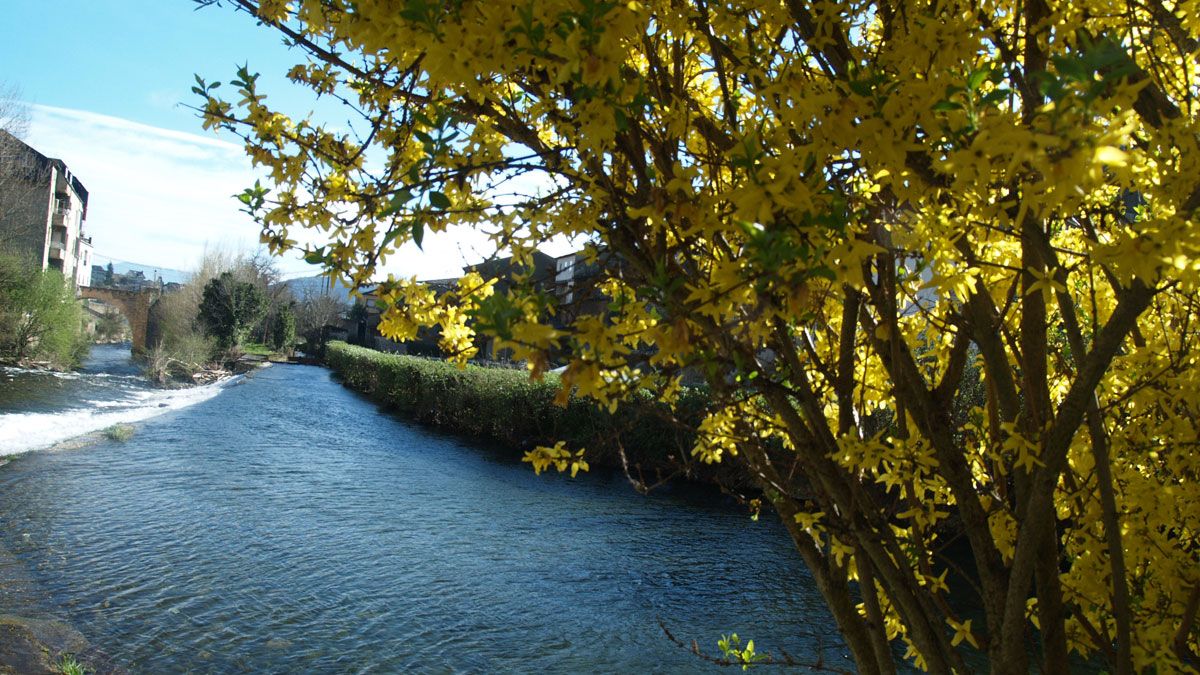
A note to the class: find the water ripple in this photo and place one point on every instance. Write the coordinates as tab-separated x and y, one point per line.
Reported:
286	526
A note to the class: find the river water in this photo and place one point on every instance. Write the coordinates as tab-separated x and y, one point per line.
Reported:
281	523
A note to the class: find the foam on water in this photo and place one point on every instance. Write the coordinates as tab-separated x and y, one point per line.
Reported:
22	432
69	375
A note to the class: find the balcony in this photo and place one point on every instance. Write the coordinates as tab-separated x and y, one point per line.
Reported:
56	250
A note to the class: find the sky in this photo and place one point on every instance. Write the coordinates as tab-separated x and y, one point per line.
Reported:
107	82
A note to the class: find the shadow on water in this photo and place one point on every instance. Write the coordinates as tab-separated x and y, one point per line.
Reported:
111	359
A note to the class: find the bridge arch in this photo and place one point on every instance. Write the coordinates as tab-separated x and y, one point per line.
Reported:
135	305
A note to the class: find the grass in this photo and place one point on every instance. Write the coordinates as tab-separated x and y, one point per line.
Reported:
69	665
257	349
119	432
264	351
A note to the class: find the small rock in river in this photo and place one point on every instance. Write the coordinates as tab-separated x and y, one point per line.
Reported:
278	643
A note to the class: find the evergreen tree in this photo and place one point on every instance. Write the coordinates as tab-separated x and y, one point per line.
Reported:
283	329
230	308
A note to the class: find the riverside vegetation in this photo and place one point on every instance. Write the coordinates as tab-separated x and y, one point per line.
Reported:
504	407
41	322
231	306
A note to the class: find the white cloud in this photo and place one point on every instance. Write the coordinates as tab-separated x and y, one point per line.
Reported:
166	99
155	196
158	197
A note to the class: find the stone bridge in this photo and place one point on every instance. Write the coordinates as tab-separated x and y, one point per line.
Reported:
135	305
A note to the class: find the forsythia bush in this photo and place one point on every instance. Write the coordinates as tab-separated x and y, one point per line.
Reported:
833	211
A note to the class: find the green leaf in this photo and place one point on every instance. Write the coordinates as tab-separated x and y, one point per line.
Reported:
860	87
621	120
995	96
396	231
397	202
1052	87
438	200
418	233
977	78
315	257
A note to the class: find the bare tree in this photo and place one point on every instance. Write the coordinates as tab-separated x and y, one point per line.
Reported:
318	308
14	113
16	186
260	269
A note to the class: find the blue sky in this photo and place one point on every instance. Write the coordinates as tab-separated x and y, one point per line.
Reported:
105	80
132	59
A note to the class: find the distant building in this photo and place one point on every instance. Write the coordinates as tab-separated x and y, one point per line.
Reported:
42	209
576	276
564	276
540	271
134	280
100	276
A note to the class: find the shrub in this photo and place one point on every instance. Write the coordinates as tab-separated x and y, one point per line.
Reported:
179	357
40	319
503	406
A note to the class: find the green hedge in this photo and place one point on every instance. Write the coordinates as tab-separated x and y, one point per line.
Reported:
505	407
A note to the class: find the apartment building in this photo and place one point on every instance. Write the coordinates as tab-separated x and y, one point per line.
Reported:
42	210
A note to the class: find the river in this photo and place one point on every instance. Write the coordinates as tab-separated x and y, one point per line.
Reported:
281	523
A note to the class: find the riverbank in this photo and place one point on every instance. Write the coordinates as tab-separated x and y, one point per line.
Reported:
35	641
41	409
44	646
504	407
28	364
169	372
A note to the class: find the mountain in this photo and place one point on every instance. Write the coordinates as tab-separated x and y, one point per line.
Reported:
167	274
316	285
